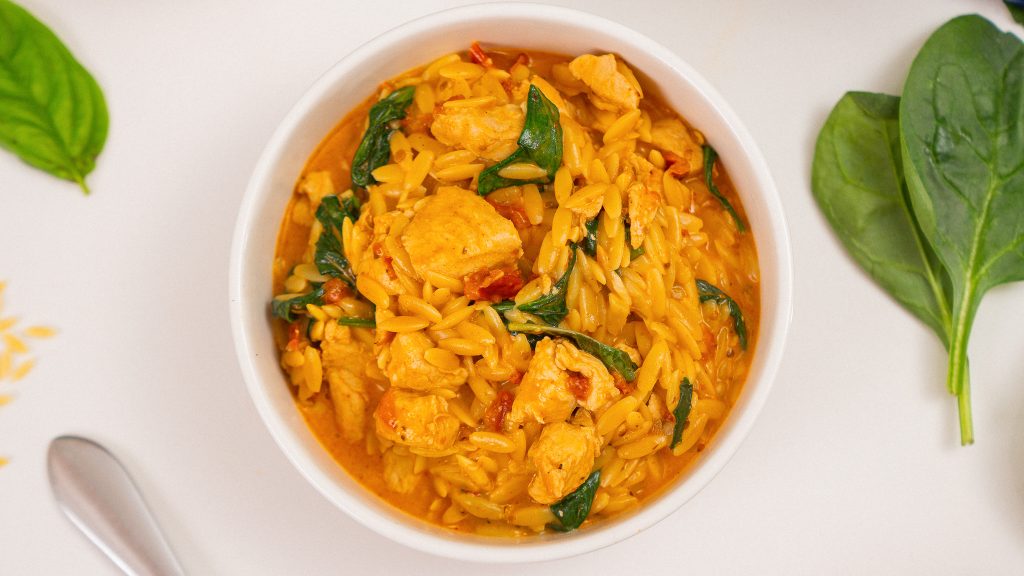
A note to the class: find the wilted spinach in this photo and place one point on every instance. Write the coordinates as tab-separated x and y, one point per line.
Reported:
709	164
540	142
590	240
357	322
330	253
551	307
682	411
572	510
375	150
284	308
52	113
707	291
613	358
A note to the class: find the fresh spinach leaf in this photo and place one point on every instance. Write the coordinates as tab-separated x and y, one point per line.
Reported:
613	358
962	133
540	142
284	308
707	291
330	257
590	240
1016	8
572	510
357	322
858	182
374	150
709	163
52	113
682	411
551	307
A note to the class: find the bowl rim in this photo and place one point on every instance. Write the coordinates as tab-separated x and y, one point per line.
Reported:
727	440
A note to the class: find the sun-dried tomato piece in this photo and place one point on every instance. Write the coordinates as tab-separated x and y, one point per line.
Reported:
579	385
334	291
477	54
493	285
514	212
494	415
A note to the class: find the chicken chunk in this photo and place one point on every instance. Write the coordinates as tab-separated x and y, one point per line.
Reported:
560	376
399	472
610	86
671	135
408	369
590	381
544	393
489	132
344	359
456	232
643	209
415	420
563	456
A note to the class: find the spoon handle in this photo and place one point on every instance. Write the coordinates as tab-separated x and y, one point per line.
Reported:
98	495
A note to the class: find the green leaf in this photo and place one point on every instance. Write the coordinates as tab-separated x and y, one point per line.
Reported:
551	307
357	322
330	253
540	142
709	163
1016	8
709	292
284	308
858	182
682	411
962	132
52	112
572	510
590	240
613	358
374	150
634	253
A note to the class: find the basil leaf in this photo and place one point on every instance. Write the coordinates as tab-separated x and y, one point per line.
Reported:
52	112
572	510
330	254
858	182
357	322
551	307
284	308
590	240
962	133
374	150
709	163
540	142
613	358
709	292
682	411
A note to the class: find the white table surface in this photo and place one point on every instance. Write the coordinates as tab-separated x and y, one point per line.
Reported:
854	466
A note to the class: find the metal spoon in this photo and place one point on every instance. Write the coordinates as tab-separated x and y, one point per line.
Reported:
97	494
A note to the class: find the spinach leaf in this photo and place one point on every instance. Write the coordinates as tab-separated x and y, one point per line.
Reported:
858	182
551	307
284	308
613	358
682	411
572	510
709	163
52	112
590	240
1016	8
634	253
330	254
374	150
503	306
709	292
962	133
357	322
540	142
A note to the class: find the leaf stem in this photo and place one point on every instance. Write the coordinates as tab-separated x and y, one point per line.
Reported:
958	377
81	183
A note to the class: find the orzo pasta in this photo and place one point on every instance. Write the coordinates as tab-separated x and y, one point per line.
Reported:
515	292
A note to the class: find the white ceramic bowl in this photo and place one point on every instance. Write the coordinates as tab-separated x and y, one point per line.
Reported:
344	86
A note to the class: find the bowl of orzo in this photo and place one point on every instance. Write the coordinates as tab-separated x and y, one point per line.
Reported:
510	283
